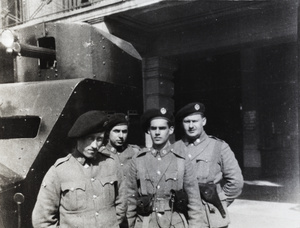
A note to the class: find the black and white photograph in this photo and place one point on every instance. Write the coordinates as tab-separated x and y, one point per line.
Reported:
149	114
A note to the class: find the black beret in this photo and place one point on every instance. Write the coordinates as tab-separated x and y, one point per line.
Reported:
154	113
115	119
88	123
190	108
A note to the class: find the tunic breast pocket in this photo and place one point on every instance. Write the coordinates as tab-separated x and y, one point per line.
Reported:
109	184
202	169
172	180
73	196
145	184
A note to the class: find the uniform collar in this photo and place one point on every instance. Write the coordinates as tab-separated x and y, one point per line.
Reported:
197	141
112	149
81	158
163	152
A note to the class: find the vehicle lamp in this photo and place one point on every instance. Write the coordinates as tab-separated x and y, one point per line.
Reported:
10	40
7	38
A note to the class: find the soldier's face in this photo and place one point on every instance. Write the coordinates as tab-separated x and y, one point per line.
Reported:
118	135
160	131
89	145
193	125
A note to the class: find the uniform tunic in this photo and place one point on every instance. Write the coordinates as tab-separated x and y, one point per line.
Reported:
123	157
219	167
156	173
77	194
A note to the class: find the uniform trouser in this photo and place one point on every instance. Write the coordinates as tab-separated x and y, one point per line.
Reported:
161	220
213	216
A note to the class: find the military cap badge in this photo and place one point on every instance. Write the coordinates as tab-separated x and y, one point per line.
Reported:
197	107
163	111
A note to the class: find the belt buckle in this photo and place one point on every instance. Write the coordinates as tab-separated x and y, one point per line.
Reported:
160	205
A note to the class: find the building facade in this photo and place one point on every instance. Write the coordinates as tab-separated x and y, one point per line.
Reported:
240	58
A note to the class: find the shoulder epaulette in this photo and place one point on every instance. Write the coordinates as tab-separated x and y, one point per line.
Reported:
214	137
143	151
62	160
135	147
101	149
176	152
107	154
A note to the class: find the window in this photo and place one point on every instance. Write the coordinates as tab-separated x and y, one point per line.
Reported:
19	127
47	42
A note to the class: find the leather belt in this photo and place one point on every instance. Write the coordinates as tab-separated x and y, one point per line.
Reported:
161	205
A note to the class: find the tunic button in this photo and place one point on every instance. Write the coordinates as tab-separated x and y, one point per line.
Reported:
158	172
158	187
72	189
93	179
190	155
122	164
159	158
94	196
96	213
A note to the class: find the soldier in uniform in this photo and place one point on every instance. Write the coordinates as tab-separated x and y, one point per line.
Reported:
85	188
218	172
162	186
117	132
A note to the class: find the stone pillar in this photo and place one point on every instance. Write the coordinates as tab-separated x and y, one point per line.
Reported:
158	84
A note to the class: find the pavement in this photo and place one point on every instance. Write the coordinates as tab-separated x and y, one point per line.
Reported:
264	214
265	204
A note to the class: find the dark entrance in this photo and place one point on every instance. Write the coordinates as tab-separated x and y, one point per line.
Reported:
216	82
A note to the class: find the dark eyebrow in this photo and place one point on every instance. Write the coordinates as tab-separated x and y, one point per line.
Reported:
160	127
118	131
190	120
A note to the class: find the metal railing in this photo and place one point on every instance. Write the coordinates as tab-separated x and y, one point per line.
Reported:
15	12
